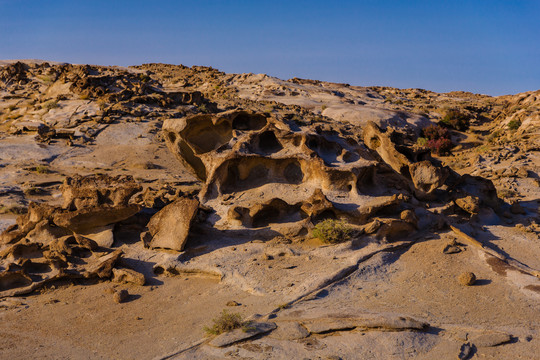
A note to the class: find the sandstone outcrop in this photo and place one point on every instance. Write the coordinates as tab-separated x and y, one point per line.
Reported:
271	175
49	243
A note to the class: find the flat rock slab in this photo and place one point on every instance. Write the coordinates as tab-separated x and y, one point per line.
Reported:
491	339
289	330
237	335
392	323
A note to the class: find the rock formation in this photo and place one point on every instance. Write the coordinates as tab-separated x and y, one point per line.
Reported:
49	243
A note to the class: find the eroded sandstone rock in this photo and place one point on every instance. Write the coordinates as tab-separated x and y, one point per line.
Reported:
48	243
169	228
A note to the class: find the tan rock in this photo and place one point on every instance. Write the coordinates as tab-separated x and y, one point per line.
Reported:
467	278
169	228
87	219
470	204
490	339
427	177
410	217
289	330
102	235
120	296
130	276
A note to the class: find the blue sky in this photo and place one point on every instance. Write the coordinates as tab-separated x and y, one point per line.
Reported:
484	46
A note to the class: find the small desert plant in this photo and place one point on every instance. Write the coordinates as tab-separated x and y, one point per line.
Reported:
324	107
41	169
456	120
514	124
51	104
436	138
440	146
422	141
332	231
202	108
225	322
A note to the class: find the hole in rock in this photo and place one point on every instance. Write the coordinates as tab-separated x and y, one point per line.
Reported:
245	121
32	267
172	137
327	150
366	180
324	215
187	154
13	280
268	143
293	173
350	157
204	136
252	172
277	211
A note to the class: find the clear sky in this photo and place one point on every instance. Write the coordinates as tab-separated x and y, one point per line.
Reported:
484	46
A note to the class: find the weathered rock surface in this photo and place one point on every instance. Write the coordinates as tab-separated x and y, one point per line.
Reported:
389	323
289	330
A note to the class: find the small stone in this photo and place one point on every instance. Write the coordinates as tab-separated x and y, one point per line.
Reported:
470	204
452	248
120	296
125	276
410	217
467	279
232	303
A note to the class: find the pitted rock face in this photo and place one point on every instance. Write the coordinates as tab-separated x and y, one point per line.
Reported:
262	172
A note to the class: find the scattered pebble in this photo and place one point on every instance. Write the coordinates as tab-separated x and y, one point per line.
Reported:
120	296
467	279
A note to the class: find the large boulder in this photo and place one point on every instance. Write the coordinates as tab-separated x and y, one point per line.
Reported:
169	228
427	177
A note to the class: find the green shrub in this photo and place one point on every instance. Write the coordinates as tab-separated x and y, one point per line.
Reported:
422	141
332	231
225	322
51	104
456	120
514	124
41	169
202	108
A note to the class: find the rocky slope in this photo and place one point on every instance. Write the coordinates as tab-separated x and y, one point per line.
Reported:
195	190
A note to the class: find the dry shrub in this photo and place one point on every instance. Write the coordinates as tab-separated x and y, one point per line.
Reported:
332	231
225	322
